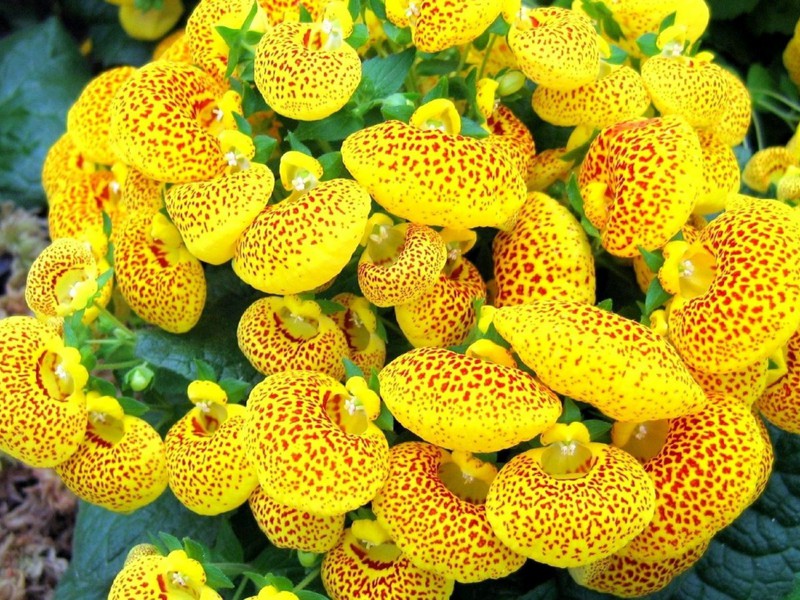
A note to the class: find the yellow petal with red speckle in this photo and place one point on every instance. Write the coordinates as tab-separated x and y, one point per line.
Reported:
780	403
288	527
350	571
768	166
307	456
160	119
705	475
720	172
628	577
174	47
570	522
149	25
360	327
432	177
444	315
509	134
746	384
547	167
161	281
556	47
151	576
617	365
76	210
618	96
212	215
700	97
43	416
269	342
88	120
437	529
63	164
141	194
288	10
304	241
748	309
736	111
301	80
206	47
546	256
410	273
453	401
640	181
440	24
209	471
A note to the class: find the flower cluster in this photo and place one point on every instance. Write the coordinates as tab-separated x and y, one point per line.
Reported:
477	446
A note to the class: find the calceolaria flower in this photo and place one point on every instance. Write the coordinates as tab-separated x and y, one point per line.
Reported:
359	324
150	576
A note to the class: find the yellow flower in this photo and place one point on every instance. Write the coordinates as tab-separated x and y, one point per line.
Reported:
360	327
720	172
780	403
150	576
768	166
151	24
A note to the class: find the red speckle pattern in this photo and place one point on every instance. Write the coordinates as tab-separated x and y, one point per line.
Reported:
77	208
141	194
737	111
547	168
204	43
590	354
510	135
365	357
304	459
442	24
780	403
144	578
63	164
745	384
546	256
720	173
465	403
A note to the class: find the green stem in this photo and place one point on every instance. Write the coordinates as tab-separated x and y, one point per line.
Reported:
241	588
794	106
390	325
486	52
107	342
118	365
325	146
759	133
306	580
464	54
115	321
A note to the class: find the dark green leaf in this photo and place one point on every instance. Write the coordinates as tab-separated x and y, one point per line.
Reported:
440	90
359	36
204	371
103	386
618	55
653	260
329	307
771	364
381	330
728	9
607	304
668	21
354	8
235	390
570	411
305	16
265	146
499	27
243	124
647	44
472	129
351	369
379	8
296	144
331	129
132	406
195	550
435	66
170	541
387	74
332	166
227	547
309	595
758	82
34	103
399	112
400	36
598	430
216	579
656	296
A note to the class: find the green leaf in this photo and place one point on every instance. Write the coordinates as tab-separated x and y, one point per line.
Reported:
598	430
668	21
653	260
607	305
265	146
235	390
771	364
440	90
215	578
655	297
103	386
133	407
379	8
41	75
204	371
359	36
195	550
351	369
243	124
647	44
309	595
170	541
499	27
331	129
332	166
387	74
329	307
227	547
472	129
437	66
600	13
296	144
758	82
729	9
570	411
354	8
618	55
575	200
400	36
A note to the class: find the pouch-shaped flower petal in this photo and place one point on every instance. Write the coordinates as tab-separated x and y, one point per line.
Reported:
590	354
640	181
736	112
791	59
547	167
288	527
120	465
371	566
160	120
152	576
303	76
400	263
720	172
628	577
63	163
88	120
76	209
360	327
304	241
313	443
768	166
780	403
545	256
141	193
433	507
279	334
444	315
739	286
42	405
453	401
705	474
209	470
700	96
149	25
433	177
511	135
174	47
572	502
212	215
161	281
556	47
617	96
746	384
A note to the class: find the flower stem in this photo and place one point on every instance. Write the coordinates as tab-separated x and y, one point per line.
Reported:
241	588
486	52
306	580
112	366
115	321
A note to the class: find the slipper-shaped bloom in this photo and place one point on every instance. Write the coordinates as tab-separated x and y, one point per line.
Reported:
359	324
148	575
76	209
788	189
640	181
508	133
768	166
366	563
556	47
400	263
120	465
628	577
314	444
706	472
466	403
453	295
164	121
780	403
720	174
737	111
737	287
63	164
161	281
616	96
149	25
209	470
280	334
306	71
89	119
433	508
572	502
174	47
791	59
700	95
546	256
141	194
212	215
619	366
437	25
288	527
305	240
547	167
428	173
42	405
